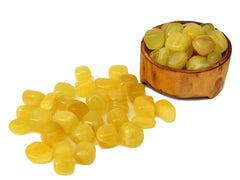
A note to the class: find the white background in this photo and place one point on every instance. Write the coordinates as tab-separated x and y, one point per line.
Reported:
41	42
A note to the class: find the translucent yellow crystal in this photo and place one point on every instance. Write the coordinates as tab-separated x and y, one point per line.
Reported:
83	132
77	107
160	56
19	126
117	70
52	133
96	102
84	153
106	84
64	89
49	102
193	30
64	166
24	111
135	90
39	118
82	73
144	122
67	120
143	107
197	62
85	87
123	105
117	117
214	57
173	28
178	42
165	110
203	45
62	150
93	119
220	41
39	152
32	97
130	135
177	59
107	136
154	38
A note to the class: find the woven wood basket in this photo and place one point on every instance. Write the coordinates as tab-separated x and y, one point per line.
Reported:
182	83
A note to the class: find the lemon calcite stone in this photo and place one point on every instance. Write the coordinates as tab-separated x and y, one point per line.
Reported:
62	150
94	119
77	107
144	122
107	136
49	102
32	97
154	38
82	73
117	117
39	118
144	106
193	30
64	166
67	120
178	42
63	158
65	89
84	153
85	87
117	70
96	102
165	110
52	133
131	135
83	132
19	126
39	153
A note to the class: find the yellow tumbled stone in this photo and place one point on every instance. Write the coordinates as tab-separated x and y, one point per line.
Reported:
84	153
77	107
52	133
19	126
83	132
64	166
107	136
82	73
63	149
144	122
64	89
107	84
67	120
39	152
39	118
165	110
49	102
94	119
96	102
117	117
144	106
85	87
32	97
135	90
131	135
117	70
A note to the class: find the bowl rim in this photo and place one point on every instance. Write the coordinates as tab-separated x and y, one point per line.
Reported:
226	55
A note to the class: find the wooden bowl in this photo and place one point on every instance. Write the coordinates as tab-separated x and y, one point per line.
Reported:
182	83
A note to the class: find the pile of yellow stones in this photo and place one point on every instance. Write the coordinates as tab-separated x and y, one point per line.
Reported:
70	127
